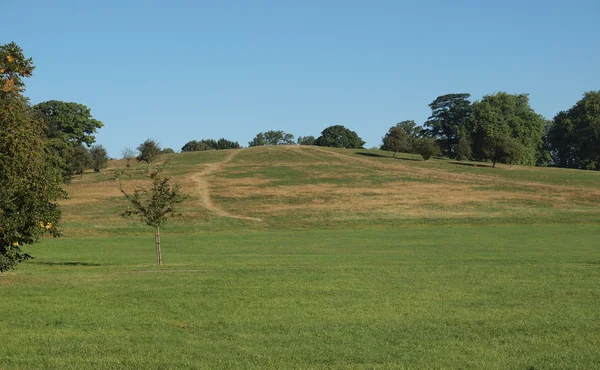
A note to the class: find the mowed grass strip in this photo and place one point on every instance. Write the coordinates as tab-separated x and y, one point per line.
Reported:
421	297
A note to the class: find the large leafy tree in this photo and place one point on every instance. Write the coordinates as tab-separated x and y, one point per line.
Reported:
338	136
67	126
449	113
68	121
511	116
574	136
29	180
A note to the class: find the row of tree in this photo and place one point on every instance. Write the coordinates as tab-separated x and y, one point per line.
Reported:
504	128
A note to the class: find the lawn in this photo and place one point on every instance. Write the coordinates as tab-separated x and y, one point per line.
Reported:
480	297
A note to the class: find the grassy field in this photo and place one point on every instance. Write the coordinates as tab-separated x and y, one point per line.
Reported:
316	258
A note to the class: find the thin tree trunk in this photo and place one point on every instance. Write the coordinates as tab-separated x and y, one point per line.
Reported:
158	254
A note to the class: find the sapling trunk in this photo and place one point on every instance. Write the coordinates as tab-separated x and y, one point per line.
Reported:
158	254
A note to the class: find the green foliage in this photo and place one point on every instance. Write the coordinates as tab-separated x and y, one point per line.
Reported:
69	122
68	126
99	157
306	140
507	115
427	148
449	114
29	181
502	148
574	137
167	151
272	137
78	160
209	144
396	140
148	151
157	203
339	136
463	150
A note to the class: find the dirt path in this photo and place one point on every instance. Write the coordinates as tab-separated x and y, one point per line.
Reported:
201	179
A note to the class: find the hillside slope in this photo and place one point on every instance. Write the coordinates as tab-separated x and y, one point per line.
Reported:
295	187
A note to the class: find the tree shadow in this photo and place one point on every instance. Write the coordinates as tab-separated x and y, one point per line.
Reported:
66	263
484	165
375	155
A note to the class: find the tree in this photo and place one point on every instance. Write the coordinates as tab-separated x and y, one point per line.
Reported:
128	154
449	113
209	144
68	121
396	140
79	159
504	149
259	140
574	137
99	157
167	151
67	125
272	137
148	151
155	205
339	137
427	148
412	130
306	140
463	148
508	115
29	180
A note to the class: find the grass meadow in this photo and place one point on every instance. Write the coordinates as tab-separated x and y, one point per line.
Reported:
312	258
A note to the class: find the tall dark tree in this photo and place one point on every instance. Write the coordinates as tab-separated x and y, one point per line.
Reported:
338	136
148	151
29	181
574	136
507	115
449	113
99	157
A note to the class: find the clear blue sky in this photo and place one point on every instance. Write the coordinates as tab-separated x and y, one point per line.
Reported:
183	70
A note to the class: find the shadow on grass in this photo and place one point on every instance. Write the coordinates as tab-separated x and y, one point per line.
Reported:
66	263
472	164
387	156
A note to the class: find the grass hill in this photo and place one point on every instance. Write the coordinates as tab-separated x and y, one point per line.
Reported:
316	258
298	187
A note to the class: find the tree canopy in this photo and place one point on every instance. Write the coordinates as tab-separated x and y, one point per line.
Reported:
148	151
449	113
68	121
272	137
511	116
29	180
338	136
574	136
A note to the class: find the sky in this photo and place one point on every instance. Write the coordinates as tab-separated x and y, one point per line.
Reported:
187	70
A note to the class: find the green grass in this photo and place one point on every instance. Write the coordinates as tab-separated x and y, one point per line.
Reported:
425	297
360	261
